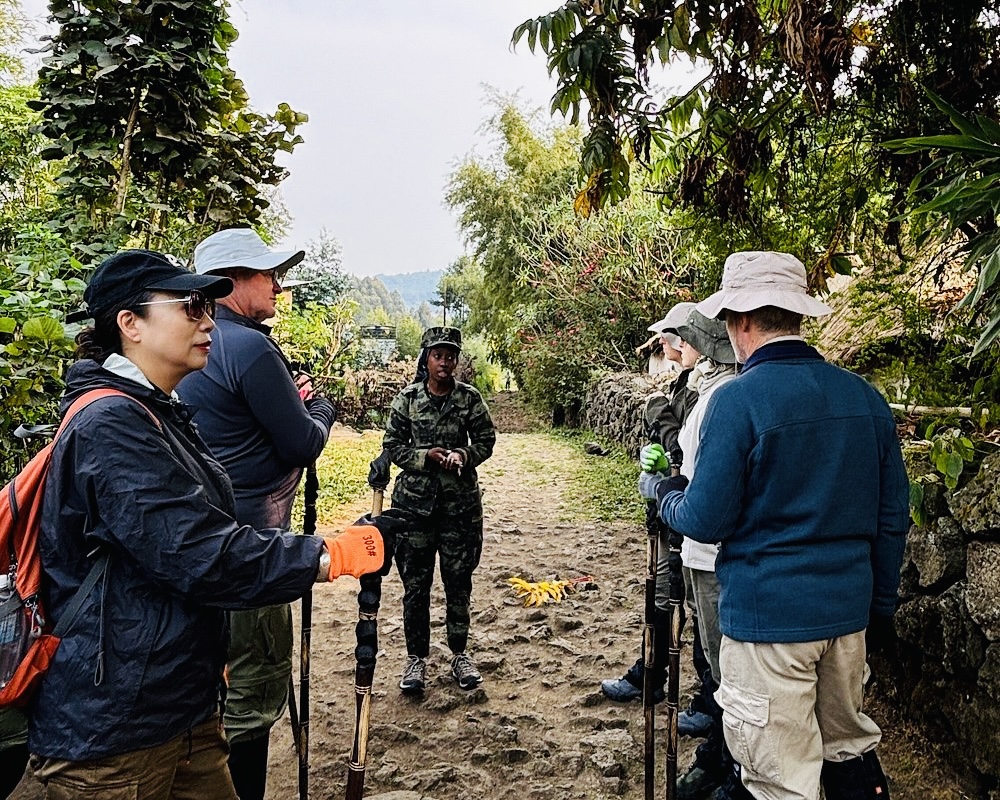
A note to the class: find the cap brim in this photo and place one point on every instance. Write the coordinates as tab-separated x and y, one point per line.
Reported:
744	300
672	339
443	344
279	260
660	326
213	286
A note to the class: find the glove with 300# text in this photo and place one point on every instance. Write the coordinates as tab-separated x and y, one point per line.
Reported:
367	546
654	486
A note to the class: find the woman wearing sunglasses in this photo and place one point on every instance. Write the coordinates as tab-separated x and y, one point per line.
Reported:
131	705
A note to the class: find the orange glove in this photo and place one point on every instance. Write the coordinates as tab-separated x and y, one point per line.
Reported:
357	551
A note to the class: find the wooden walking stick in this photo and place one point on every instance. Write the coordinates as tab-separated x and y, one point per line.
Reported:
302	740
676	599
365	653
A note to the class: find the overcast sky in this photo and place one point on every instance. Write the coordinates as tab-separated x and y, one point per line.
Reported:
394	94
395	98
394	90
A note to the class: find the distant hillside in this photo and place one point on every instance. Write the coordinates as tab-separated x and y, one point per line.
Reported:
414	287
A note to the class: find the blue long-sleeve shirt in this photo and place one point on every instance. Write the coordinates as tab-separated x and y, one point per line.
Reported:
249	411
800	477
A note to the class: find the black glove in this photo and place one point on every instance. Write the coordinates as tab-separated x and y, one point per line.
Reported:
675	483
390	524
378	471
880	635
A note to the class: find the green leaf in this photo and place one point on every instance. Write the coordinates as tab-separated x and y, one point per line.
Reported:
841	263
45	328
7	325
916	501
953	466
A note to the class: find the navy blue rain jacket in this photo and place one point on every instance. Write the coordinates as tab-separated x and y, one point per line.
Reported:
143	662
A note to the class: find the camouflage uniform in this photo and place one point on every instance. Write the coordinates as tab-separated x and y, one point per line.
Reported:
448	506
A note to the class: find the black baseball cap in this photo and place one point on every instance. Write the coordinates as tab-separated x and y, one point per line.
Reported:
130	272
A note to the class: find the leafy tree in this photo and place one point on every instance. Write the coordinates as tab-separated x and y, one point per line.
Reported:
323	267
321	340
370	294
773	73
562	298
958	196
154	125
457	290
427	316
408	334
38	282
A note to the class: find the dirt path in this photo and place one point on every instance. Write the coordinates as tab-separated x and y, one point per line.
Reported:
538	726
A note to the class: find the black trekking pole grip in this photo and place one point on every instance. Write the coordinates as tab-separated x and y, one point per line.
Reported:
365	653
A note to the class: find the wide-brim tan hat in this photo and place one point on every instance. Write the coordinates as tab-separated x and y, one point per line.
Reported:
756	278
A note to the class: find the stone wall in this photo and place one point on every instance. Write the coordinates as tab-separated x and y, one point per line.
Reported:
615	403
949	620
943	672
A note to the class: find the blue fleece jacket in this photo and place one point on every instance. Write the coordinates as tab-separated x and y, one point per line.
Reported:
800	477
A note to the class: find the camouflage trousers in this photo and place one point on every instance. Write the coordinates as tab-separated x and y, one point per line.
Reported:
458	541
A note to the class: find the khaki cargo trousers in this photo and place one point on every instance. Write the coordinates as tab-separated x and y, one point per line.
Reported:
787	707
191	766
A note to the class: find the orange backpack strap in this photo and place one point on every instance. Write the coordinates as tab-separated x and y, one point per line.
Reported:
87	398
22	511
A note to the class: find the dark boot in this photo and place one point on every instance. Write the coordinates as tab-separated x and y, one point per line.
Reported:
698	784
732	787
858	778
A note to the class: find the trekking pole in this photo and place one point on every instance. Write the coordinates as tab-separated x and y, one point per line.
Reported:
648	639
365	653
308	529
676	599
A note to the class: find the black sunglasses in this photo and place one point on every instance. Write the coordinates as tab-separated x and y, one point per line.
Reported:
196	304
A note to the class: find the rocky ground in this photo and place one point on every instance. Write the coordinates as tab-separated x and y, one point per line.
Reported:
538	726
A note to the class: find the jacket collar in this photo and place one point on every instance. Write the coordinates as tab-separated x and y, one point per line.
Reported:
224	313
124	368
784	350
87	374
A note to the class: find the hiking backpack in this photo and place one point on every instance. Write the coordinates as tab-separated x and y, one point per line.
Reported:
27	640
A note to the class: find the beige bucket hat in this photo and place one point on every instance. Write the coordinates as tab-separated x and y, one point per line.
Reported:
757	278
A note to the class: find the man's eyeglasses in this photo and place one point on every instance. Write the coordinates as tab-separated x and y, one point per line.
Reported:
196	304
274	276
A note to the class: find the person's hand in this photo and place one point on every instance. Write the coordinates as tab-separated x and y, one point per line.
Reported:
653	458
655	486
367	546
880	634
378	471
437	455
454	461
304	385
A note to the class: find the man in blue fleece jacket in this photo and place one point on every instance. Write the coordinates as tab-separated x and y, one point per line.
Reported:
800	479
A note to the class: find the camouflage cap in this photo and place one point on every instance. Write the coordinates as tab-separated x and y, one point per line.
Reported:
435	337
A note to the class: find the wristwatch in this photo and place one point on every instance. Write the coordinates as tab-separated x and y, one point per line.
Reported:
323	570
